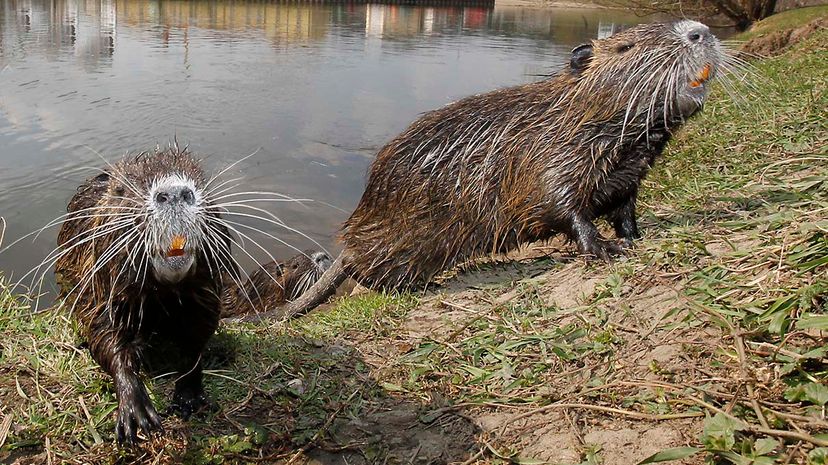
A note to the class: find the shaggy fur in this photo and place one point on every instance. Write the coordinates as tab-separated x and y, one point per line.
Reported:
127	310
521	164
491	171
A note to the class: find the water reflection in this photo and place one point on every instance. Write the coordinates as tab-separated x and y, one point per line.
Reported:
87	31
88	28
312	88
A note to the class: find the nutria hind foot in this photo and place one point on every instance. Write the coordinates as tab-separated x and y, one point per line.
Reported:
135	412
189	397
624	223
187	402
590	242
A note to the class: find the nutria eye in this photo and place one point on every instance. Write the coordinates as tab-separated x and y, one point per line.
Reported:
188	196
161	197
624	47
581	56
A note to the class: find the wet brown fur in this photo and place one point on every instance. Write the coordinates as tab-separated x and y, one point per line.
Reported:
127	317
521	164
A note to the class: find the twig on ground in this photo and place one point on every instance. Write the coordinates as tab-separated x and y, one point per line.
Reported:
793	453
743	367
774	349
4	429
601	408
792	416
92	430
575	428
474	457
762	430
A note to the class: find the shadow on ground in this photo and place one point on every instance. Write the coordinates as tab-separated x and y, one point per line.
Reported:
276	398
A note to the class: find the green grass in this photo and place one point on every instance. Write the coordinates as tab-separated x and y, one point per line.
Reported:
370	313
733	274
785	20
281	382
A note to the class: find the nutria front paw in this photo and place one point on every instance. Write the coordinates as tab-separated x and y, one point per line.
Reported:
602	249
136	414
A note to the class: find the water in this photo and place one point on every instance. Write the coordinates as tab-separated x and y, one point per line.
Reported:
313	89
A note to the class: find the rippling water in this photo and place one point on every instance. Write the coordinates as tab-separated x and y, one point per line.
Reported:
312	89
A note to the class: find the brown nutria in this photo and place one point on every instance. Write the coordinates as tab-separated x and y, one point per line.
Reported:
140	263
274	284
521	164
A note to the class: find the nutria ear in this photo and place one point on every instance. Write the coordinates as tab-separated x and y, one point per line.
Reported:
580	57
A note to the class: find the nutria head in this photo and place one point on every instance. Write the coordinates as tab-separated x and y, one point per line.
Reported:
165	193
301	271
145	221
648	71
274	284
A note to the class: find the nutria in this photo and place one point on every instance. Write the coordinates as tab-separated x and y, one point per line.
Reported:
141	257
274	284
522	164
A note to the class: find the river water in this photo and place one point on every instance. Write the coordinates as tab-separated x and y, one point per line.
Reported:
313	89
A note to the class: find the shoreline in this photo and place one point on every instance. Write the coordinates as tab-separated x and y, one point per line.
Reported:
550	4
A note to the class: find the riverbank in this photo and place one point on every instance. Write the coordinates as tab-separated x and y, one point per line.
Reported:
710	339
574	5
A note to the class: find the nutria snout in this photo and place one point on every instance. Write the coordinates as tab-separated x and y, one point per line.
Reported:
172	202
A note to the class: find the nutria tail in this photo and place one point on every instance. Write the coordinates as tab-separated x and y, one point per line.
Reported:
315	295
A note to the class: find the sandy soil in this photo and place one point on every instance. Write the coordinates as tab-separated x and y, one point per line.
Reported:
652	348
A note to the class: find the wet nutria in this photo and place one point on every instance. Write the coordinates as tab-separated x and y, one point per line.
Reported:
141	259
521	164
274	284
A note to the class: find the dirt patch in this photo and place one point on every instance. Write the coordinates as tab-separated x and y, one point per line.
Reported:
776	43
629	445
399	433
569	287
433	319
639	316
571	436
618	444
467	292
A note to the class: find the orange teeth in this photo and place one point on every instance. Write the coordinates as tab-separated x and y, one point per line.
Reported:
705	73
177	246
702	77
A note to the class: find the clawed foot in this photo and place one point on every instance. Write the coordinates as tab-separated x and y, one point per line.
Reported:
136	414
604	249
